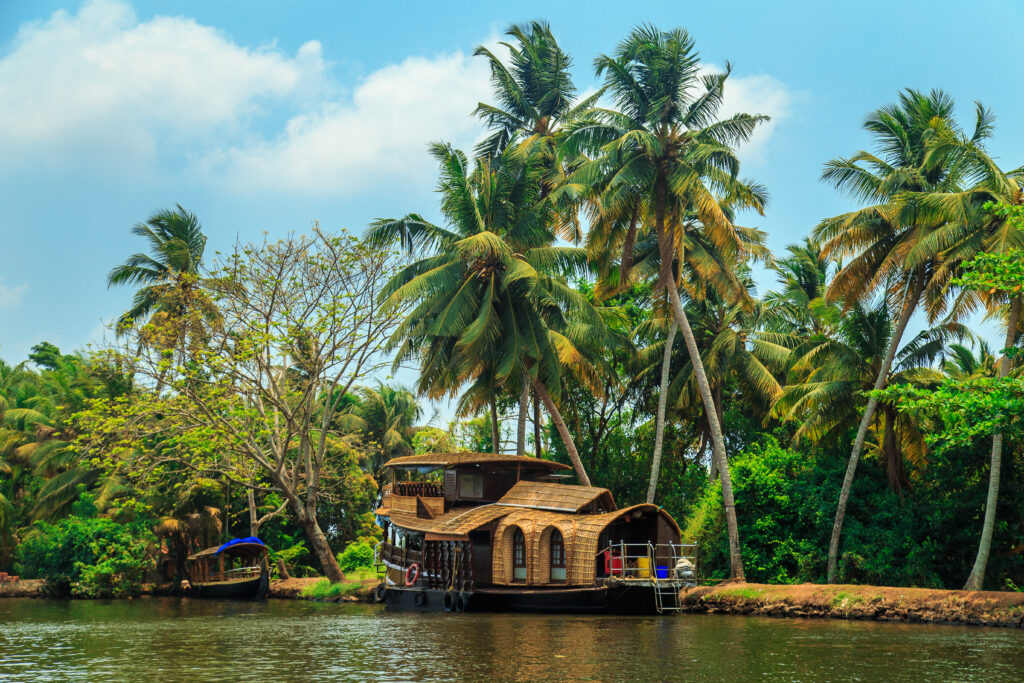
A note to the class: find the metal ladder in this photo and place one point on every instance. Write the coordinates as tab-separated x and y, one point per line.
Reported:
666	596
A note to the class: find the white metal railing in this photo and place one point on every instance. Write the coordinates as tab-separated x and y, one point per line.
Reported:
641	561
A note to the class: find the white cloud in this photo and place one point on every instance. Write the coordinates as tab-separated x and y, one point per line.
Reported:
100	87
10	297
756	94
378	135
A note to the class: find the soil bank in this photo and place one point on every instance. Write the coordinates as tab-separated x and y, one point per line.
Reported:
880	603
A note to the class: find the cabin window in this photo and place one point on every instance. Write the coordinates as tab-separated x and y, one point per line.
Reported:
471	485
518	556
557	557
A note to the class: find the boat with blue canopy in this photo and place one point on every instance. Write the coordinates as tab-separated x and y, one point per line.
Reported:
236	570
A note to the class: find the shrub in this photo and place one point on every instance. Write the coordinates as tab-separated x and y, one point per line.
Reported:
355	555
93	558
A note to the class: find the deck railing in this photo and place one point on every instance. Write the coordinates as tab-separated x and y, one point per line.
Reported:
234	574
641	561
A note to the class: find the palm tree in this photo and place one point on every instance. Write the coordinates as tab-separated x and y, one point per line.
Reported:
488	305
536	96
975	230
169	279
828	373
880	236
664	153
386	415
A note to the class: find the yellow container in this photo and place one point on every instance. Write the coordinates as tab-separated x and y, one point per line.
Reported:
643	564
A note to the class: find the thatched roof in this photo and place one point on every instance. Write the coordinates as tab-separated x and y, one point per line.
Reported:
456	522
556	497
236	550
467	458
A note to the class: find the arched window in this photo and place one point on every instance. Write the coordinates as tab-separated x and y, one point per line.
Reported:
557	557
518	556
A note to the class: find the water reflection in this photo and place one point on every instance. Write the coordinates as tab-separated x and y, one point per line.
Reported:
169	639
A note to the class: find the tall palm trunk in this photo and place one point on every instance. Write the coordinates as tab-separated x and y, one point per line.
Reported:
563	431
524	407
495	435
659	429
858	445
717	439
537	425
977	577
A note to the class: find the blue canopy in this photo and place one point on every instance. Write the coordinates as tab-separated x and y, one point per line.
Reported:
239	541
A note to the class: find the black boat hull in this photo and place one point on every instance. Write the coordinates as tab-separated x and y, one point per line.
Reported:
617	599
247	589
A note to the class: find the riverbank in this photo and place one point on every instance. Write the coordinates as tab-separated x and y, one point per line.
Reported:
878	603
320	589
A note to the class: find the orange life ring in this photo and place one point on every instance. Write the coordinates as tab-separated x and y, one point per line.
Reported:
414	571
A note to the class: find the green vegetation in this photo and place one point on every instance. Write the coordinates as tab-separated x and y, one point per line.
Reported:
325	590
805	433
356	556
88	556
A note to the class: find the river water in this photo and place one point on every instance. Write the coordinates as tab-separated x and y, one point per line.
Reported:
167	639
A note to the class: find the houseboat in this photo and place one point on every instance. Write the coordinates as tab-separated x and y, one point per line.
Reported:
492	532
236	570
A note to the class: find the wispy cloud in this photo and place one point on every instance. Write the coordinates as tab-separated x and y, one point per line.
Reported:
10	297
379	135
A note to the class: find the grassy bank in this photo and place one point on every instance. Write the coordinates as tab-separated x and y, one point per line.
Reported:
880	603
357	586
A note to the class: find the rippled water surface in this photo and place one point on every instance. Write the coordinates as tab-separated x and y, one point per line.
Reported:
168	639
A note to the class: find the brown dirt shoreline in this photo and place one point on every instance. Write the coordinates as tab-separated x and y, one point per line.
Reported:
877	603
807	600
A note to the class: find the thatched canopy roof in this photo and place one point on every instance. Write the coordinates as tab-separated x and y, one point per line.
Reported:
457	522
448	460
236	550
556	497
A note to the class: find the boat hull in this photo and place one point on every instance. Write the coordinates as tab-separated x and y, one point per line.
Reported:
243	589
615	599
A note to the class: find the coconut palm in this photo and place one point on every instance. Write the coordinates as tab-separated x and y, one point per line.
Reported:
879	237
170	295
488	306
663	153
535	96
828	374
386	416
972	229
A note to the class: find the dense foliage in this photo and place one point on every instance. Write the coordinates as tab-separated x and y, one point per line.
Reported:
88	556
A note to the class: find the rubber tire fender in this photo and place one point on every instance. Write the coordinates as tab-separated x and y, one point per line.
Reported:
462	604
450	601
380	593
420	599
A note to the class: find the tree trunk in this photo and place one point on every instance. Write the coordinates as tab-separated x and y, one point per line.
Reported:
524	408
282	570
659	429
977	576
537	424
858	445
563	431
495	435
717	439
322	549
254	522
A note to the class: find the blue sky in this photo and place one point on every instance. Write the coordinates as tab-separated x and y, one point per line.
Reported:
264	119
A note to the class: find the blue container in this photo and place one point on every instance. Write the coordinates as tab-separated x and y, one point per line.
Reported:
661	572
